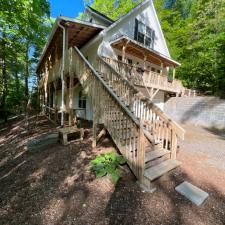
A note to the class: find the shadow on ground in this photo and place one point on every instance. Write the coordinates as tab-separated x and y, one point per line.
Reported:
54	186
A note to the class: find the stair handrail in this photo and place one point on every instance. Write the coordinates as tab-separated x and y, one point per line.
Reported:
129	113
178	129
141	78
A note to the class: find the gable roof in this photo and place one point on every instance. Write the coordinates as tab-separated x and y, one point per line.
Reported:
117	22
99	14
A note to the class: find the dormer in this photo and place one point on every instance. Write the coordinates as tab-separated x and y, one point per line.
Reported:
93	16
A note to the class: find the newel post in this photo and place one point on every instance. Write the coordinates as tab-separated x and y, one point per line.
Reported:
141	155
95	93
173	145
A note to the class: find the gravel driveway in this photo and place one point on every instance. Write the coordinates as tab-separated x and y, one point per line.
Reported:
207	142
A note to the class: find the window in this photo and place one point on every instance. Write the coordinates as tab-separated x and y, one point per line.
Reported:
119	57
129	61
144	34
82	100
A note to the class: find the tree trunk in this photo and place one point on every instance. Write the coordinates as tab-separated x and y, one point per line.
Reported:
4	78
26	73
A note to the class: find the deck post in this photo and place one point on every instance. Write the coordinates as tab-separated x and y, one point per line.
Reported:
49	101
161	71
71	100
96	110
55	101
174	146
45	87
174	72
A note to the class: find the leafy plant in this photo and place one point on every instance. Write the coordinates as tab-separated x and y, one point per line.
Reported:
108	163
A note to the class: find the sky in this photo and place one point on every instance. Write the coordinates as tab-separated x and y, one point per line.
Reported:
70	8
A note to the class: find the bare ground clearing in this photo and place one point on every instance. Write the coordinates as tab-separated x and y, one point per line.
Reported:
53	184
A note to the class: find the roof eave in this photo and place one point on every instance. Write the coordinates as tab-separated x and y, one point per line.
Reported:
151	50
55	26
105	18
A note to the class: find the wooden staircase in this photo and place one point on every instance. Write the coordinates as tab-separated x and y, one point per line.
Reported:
145	136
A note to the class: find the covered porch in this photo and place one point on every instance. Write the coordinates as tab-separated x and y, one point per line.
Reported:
60	94
145	67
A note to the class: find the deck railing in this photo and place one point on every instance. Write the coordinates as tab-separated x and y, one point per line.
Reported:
108	108
156	122
145	77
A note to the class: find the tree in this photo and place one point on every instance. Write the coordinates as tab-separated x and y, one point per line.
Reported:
115	8
24	26
196	36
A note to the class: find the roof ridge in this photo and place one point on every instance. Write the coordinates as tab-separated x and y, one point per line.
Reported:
101	14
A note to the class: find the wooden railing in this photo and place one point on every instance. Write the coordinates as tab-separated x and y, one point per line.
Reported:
53	73
121	124
50	112
155	121
145	77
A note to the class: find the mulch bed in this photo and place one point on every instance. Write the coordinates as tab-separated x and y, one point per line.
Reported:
54	185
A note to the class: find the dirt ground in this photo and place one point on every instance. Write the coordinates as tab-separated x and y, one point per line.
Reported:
52	185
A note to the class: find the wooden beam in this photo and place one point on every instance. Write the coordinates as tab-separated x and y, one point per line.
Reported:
154	94
174	72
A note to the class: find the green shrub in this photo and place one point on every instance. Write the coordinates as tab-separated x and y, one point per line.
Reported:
108	163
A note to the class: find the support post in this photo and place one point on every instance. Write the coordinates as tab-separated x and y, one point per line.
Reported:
174	146
49	101
46	87
161	71
55	101
64	58
71	101
95	113
174	73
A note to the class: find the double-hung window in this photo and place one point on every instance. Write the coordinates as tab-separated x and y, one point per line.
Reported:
82	100
144	34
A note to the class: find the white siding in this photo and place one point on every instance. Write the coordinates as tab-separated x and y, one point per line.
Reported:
88	112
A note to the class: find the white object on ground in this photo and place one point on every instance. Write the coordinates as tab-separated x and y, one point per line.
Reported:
193	193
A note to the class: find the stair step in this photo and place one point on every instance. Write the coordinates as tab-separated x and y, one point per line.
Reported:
157	171
149	156
156	147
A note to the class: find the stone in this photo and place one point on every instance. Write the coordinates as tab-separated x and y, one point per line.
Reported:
191	192
42	141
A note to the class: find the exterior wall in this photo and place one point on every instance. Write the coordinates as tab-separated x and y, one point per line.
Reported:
203	111
148	16
101	45
90	51
159	100
85	114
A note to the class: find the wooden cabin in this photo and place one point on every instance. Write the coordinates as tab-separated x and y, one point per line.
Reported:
117	73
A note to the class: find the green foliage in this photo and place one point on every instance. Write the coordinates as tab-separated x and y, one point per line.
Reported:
24	26
195	33
116	8
108	163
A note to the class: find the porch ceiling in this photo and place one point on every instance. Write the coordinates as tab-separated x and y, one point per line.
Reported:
79	33
139	50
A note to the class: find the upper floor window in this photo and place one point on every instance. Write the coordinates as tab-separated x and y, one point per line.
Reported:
144	34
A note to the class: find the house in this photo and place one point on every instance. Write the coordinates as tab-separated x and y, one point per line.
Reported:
118	73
